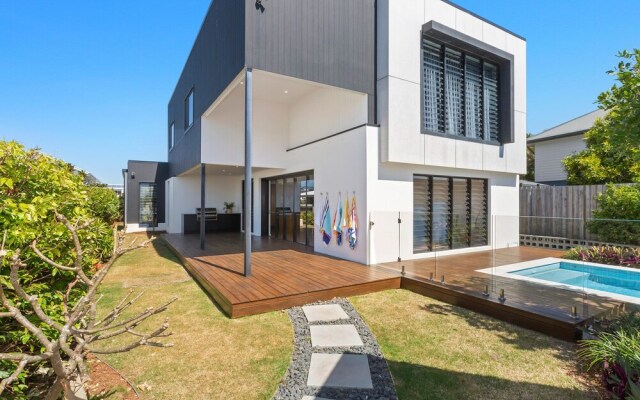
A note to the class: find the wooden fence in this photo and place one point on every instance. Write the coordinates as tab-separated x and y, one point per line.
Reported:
558	211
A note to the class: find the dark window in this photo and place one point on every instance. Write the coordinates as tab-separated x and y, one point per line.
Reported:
449	213
460	93
188	110
148	204
172	135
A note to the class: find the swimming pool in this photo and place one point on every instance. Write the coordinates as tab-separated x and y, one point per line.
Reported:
615	282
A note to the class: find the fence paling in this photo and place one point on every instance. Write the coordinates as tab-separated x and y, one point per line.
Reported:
567	206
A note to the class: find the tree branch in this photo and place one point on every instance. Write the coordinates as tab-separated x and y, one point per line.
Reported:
9	380
144	341
33	300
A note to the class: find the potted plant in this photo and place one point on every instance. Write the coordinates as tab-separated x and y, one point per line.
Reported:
228	207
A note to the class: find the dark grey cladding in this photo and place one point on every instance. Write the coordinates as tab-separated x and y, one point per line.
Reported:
144	172
326	41
216	58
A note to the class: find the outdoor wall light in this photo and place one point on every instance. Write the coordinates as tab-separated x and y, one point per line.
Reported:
259	6
502	298
133	175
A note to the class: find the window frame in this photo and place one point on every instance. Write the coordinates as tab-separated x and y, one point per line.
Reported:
172	135
189	113
431	245
450	38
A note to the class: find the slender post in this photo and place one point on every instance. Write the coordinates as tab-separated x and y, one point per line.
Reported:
202	203
248	110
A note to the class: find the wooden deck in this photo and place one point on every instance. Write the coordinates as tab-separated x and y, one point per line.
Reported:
284	274
543	308
288	274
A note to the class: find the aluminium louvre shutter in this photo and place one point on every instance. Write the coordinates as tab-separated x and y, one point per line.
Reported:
454	92
421	214
491	103
433	87
478	199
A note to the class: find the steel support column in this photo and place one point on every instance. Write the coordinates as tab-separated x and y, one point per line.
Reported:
248	121
202	203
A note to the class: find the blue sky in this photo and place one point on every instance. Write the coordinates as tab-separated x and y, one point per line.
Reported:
89	81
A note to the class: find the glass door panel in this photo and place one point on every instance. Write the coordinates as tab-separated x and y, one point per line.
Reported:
273	215
299	223
441	227
279	208
288	209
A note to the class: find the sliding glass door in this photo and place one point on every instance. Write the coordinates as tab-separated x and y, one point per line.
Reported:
291	208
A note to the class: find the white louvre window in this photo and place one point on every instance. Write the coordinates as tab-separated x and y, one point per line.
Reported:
454	92
433	101
460	93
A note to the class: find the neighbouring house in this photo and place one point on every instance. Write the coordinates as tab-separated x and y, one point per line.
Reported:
417	108
553	145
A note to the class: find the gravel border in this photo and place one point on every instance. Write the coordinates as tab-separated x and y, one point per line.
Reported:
294	384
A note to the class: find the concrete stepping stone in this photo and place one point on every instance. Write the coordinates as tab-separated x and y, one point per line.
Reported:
339	371
324	313
334	336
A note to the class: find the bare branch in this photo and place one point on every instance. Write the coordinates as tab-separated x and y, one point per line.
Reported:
9	380
24	357
130	322
144	341
6	314
22	320
78	247
33	300
48	260
117	310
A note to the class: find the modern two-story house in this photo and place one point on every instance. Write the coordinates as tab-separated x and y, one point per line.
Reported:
415	108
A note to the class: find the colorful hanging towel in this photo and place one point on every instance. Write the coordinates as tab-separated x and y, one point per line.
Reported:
325	229
347	214
352	232
337	222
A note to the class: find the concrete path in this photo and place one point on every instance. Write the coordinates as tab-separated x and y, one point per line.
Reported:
336	356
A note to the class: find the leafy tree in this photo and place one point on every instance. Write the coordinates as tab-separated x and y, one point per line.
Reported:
613	143
618	203
531	163
33	187
104	203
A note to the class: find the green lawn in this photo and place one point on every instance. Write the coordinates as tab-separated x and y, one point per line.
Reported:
213	357
434	350
439	351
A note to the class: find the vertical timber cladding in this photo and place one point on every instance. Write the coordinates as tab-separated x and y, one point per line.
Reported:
449	213
326	41
216	58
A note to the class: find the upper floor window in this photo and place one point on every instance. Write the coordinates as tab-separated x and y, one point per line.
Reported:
172	135
460	93
188	110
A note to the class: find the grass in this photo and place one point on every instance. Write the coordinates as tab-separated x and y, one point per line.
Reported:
439	351
213	357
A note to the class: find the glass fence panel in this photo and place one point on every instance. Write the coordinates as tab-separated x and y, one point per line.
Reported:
564	268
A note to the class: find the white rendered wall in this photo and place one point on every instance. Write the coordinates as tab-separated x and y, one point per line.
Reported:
390	195
323	112
399	69
183	196
223	132
549	156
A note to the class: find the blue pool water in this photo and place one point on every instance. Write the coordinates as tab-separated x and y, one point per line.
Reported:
625	282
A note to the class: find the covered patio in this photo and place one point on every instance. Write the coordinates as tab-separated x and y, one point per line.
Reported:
284	274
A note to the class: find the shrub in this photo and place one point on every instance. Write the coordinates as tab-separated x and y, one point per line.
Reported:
611	255
618	355
104	203
618	203
33	186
